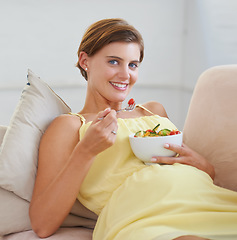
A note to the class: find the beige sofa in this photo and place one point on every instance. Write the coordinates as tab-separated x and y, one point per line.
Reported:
210	129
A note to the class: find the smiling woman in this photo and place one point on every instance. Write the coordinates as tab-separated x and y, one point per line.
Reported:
86	156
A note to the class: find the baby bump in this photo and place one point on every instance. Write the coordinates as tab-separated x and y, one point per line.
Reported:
165	197
167	180
164	188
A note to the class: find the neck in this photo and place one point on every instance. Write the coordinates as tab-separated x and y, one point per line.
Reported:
93	105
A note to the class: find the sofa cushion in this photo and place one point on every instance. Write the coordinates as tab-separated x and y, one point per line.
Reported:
14	214
37	107
61	234
210	126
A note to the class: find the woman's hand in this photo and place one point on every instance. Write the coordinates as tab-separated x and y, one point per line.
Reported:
186	155
102	132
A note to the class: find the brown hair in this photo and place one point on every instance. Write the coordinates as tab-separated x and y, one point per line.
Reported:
106	31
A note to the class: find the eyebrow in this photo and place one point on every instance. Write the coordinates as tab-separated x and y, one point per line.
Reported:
137	61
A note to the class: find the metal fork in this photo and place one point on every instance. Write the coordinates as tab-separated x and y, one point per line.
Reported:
128	108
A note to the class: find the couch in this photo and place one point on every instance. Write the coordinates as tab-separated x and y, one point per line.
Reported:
210	129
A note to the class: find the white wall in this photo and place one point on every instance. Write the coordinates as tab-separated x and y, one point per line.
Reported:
211	36
182	38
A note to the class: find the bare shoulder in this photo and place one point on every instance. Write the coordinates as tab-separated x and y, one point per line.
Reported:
63	124
156	108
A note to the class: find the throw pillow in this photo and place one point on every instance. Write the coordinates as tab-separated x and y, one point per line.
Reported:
37	107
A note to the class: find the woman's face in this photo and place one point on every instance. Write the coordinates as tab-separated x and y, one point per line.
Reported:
113	70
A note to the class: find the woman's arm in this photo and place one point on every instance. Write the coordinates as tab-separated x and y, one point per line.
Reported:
63	164
61	169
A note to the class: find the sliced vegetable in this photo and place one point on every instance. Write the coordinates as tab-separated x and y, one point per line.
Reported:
156	127
139	134
164	132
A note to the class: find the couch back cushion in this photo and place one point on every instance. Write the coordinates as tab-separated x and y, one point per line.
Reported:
211	123
37	107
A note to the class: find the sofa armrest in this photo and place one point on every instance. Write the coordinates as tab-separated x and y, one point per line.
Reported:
211	124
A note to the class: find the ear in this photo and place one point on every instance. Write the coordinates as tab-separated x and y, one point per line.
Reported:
83	59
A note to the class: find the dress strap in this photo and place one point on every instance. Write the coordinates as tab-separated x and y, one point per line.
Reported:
80	116
139	105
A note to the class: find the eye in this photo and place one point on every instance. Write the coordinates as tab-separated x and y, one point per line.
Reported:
113	62
133	65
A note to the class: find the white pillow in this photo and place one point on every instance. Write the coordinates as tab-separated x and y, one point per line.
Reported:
3	130
37	107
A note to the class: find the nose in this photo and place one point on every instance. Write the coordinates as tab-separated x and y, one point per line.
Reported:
124	73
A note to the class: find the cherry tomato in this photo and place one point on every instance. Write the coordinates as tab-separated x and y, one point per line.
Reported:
149	130
174	132
131	101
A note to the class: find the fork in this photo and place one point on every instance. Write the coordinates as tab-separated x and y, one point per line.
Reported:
128	108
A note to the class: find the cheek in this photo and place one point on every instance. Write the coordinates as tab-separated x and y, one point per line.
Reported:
133	78
99	73
109	74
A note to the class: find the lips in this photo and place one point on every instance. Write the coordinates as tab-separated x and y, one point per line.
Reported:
120	86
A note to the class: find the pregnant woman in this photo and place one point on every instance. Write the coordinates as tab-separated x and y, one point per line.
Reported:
86	156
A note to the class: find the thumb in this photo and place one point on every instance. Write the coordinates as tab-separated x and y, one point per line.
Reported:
101	115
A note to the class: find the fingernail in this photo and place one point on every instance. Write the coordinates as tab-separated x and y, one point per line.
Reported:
166	145
153	159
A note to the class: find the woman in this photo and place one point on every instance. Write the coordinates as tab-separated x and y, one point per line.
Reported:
87	156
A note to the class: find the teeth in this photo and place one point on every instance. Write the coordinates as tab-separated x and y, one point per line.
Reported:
120	85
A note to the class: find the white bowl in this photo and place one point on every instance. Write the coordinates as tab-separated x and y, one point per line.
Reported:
145	148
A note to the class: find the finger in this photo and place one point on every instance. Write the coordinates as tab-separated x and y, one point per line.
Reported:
165	160
101	115
109	123
113	132
176	148
113	127
109	119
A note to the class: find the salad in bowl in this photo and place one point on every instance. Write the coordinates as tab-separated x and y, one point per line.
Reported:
149	143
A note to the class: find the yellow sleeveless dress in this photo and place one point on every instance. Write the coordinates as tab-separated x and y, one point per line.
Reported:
139	202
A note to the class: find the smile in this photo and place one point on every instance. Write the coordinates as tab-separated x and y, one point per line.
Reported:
121	86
